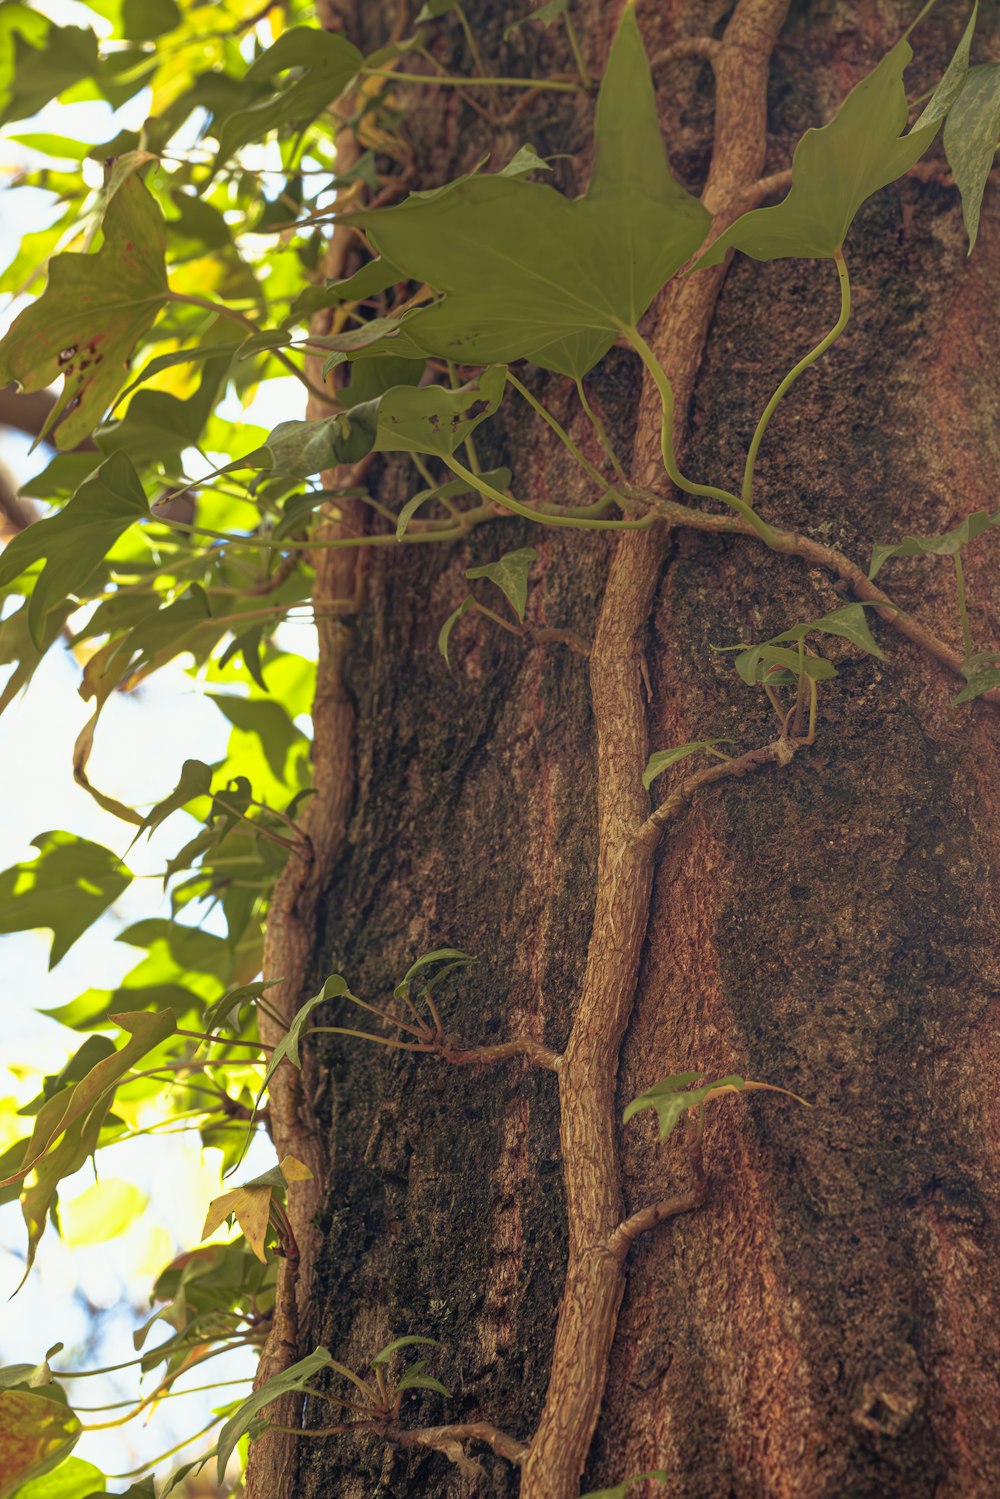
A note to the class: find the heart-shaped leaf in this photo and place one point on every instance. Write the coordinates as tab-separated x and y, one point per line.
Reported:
94	310
510	574
529	274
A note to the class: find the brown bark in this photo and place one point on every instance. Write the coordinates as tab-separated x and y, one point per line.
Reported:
825	1324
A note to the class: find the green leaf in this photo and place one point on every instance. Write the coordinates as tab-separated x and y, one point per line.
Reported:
72	543
981	672
452	956
222	1011
528	274
74	1104
103	1211
35	1435
195	780
847	622
433	419
663	759
510	574
66	888
92	313
943	546
550	11
385	1354
444	634
414	1378
323	64
672	1096
73	1479
295	1378
498	477
620	1490
288	1047
434	8
298	449
835	168
970	140
751	665
67	55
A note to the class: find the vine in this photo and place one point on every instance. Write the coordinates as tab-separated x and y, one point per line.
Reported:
416	310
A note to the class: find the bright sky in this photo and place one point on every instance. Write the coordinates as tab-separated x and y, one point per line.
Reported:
92	1296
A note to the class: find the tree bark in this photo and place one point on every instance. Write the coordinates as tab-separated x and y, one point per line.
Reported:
826	1324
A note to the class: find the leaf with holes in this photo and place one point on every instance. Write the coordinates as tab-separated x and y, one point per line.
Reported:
510	574
90	317
529	274
835	168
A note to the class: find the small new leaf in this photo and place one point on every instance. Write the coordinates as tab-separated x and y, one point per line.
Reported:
510	574
663	759
444	635
941	546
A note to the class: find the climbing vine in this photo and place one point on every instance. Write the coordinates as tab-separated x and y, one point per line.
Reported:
179	274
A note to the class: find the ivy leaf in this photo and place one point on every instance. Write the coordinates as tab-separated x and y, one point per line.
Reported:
672	1096
195	780
621	1490
295	1378
66	888
94	310
432	419
298	449
452	956
529	274
250	1204
288	1046
550	11
35	1435
414	1378
510	574
225	1011
751	665
324	63
941	546
981	672
835	168
67	55
498	477
970	140
444	634
385	1354
663	759
73	542
434	8
75	1103
848	622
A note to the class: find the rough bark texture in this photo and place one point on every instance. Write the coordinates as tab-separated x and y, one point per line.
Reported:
827	1324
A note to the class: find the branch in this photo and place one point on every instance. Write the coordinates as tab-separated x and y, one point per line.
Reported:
707	48
522	1046
778	752
448	1439
793	544
625	1235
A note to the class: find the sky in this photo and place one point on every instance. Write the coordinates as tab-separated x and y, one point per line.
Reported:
91	1296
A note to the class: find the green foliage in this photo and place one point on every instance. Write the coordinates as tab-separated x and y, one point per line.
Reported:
621	1489
672	1096
510	574
970	140
663	759
36	1433
940	546
67	887
91	315
528	274
322	64
286	1383
848	623
836	168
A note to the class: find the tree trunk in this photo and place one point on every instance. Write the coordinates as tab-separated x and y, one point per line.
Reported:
826	1323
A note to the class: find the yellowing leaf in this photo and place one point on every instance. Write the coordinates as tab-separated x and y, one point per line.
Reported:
250	1206
35	1434
293	1170
102	1212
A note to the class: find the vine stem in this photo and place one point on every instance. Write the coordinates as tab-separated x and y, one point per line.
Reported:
793	374
963	612
567	517
446	80
221	310
701	491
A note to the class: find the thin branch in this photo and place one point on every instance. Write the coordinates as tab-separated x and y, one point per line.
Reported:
441	1438
779	752
522	1046
707	48
625	1235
